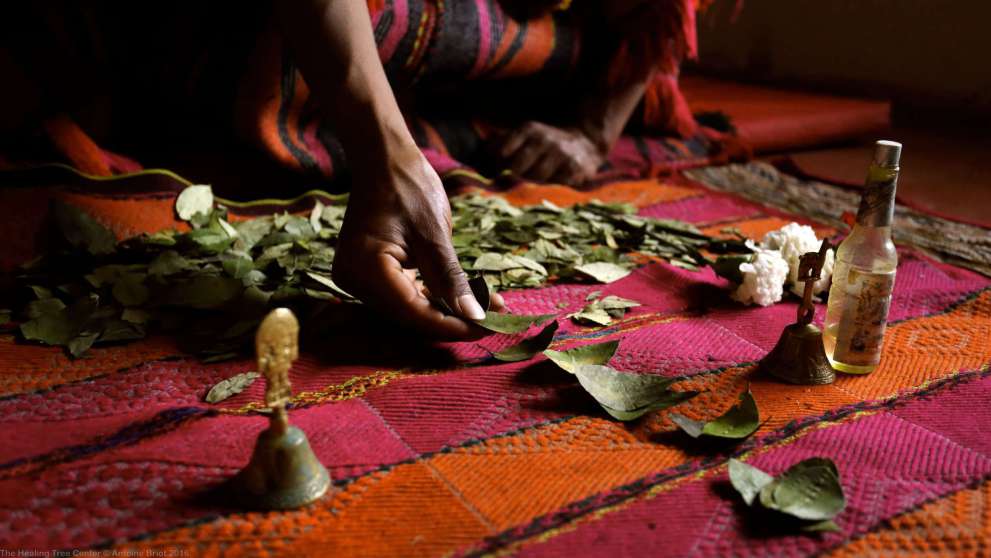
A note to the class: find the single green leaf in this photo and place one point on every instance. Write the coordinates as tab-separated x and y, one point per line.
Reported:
5	316
299	227
740	421
691	427
193	200
238	266
613	302
38	308
168	263
210	240
228	229
161	238
628	396
810	490
50	329
315	215
603	272
592	313
40	293
231	387
596	354
329	284
130	290
491	261
748	480
82	231
135	315
529	347
826	526
81	343
252	278
511	323
121	330
251	231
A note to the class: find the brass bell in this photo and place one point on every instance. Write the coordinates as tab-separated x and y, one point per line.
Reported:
799	356
283	472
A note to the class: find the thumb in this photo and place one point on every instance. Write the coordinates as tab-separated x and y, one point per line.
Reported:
443	275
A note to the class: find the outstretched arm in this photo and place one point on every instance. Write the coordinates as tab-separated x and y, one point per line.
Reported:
398	216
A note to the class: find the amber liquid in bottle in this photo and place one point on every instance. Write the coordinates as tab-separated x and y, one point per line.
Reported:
864	273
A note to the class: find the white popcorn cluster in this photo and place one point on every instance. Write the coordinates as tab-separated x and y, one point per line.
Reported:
793	240
774	265
763	278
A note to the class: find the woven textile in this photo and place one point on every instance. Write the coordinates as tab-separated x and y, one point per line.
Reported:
966	245
461	69
446	452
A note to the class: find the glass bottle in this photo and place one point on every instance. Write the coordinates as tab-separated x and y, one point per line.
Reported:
864	272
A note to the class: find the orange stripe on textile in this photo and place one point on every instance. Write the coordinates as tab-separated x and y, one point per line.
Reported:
473	491
71	141
640	193
958	524
537	47
257	107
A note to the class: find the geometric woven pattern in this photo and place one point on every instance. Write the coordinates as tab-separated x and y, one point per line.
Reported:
462	455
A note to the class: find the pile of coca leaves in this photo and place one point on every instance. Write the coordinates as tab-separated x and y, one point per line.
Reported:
214	283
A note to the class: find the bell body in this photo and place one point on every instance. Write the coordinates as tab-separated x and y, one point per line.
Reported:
799	357
283	472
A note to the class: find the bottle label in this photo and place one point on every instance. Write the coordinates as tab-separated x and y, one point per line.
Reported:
877	204
861	331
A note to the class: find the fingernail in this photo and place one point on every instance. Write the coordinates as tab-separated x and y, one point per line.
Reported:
470	307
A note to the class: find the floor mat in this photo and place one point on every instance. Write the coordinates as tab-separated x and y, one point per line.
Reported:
118	451
771	119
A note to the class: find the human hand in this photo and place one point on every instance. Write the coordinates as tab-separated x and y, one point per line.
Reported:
546	153
398	219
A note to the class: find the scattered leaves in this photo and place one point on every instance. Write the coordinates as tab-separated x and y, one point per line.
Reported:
627	396
603	272
740	421
809	490
602	312
529	347
231	387
747	480
511	323
595	354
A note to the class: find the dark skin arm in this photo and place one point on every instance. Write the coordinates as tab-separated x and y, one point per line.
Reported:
398	216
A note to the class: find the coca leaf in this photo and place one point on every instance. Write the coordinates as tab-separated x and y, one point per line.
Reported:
594	354
627	396
511	323
231	387
529	347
